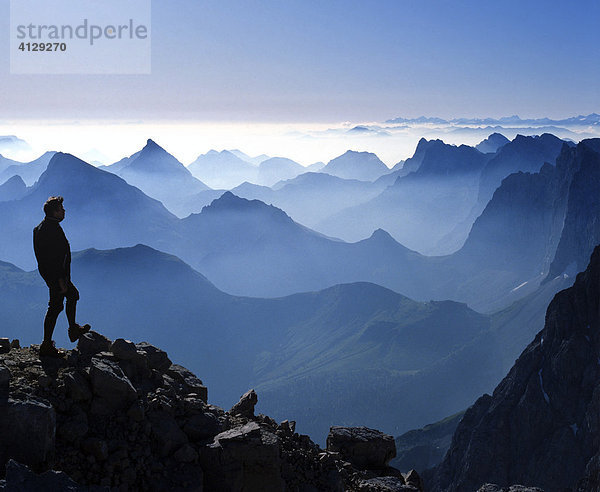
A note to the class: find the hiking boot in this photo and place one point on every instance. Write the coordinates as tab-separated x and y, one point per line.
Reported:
76	331
47	349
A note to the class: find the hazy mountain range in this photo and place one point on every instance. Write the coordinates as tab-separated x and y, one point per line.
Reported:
354	339
158	174
312	197
249	248
12	189
12	143
448	187
591	119
357	318
28	171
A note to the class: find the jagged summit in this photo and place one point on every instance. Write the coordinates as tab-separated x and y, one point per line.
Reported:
151	144
440	158
154	158
115	414
228	202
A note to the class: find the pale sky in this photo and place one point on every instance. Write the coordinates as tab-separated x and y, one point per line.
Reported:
334	61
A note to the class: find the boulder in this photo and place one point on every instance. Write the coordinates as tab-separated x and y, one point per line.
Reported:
4	345
111	388
492	487
124	349
363	447
157	358
243	458
385	484
167	433
413	478
27	430
92	343
77	387
288	427
189	381
15	344
202	426
4	380
74	428
245	407
98	448
20	478
185	454
133	363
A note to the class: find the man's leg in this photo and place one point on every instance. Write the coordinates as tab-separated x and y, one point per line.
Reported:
75	330
72	296
55	306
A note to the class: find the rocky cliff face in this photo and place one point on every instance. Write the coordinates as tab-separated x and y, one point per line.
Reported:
121	416
581	231
536	227
545	412
526	154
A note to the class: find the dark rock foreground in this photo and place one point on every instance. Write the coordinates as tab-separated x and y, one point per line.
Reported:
120	416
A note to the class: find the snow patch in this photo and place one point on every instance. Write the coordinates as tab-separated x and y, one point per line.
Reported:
519	286
574	428
546	397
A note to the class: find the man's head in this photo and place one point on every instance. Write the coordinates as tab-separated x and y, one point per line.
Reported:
54	208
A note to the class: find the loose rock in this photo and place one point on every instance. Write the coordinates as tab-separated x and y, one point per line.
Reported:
363	447
245	407
92	343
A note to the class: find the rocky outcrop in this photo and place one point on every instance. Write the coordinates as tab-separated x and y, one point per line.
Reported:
491	487
546	410
245	407
119	415
28	428
20	478
363	447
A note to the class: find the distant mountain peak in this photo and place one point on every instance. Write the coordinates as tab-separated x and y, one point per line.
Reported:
492	143
352	164
152	146
229	202
591	119
63	160
381	234
14	179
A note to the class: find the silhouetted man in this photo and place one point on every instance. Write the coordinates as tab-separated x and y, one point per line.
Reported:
53	255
